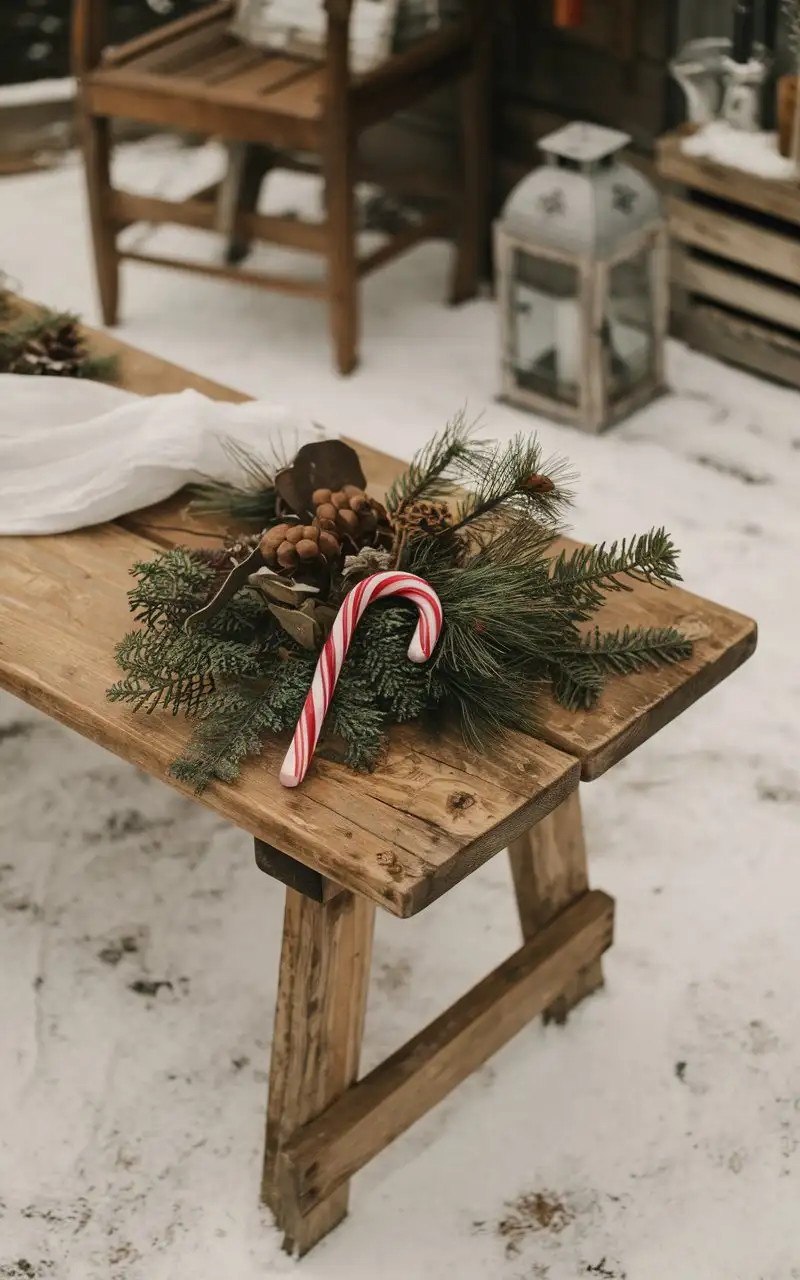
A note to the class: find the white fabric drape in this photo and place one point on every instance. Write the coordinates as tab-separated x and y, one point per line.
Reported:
75	453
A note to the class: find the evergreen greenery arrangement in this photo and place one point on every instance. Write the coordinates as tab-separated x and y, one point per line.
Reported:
231	636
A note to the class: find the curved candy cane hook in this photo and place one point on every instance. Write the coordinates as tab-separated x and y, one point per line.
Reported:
423	643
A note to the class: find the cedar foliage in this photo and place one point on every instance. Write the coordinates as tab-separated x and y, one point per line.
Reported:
515	621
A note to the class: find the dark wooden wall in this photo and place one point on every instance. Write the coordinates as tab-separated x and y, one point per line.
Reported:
612	70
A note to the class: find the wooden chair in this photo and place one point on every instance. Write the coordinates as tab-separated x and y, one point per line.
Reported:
194	75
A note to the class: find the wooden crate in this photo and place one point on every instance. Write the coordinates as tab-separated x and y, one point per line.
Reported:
735	262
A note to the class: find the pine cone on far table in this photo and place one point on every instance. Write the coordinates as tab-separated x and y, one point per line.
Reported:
57	352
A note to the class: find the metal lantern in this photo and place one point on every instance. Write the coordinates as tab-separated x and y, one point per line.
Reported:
581	257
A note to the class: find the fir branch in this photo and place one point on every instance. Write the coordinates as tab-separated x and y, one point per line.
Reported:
236	718
169	587
629	650
436	469
580	580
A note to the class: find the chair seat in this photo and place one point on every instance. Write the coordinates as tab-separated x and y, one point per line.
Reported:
207	81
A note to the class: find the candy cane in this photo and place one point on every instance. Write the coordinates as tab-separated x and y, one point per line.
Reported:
423	643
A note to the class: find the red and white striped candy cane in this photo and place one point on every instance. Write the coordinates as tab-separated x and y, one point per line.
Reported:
423	643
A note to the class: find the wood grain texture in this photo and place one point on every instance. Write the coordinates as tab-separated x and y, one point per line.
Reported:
550	871
743	342
632	708
729	237
402	835
319	1024
326	1153
770	302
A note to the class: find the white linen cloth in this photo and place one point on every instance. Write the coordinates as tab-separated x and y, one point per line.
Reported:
74	453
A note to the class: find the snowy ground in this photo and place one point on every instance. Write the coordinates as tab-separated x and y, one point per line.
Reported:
657	1137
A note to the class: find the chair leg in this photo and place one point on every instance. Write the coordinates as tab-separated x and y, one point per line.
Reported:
241	188
319	1022
342	263
96	135
549	869
471	241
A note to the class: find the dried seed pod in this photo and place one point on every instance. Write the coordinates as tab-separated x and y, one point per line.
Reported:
329	545
348	520
339	500
351	490
311	532
326	511
287	556
295	534
272	539
307	549
319	496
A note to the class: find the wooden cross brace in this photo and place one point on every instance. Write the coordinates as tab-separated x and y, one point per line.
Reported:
323	1123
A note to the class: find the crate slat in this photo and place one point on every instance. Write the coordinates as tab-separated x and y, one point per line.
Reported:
754	346
734	238
770	302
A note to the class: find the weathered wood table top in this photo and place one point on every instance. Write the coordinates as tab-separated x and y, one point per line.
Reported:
433	810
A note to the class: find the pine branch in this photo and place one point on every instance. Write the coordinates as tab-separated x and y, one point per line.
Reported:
235	720
631	649
434	471
516	481
579	672
253	500
582	579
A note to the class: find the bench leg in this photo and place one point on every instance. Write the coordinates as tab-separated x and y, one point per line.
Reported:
319	1022
549	869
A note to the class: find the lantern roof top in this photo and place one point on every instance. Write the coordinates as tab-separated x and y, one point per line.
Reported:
584	143
583	201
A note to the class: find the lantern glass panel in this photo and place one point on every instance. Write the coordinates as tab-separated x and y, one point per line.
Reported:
630	331
545	326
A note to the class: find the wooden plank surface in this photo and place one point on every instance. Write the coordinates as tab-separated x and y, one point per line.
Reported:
401	836
729	237
774	303
632	708
742	342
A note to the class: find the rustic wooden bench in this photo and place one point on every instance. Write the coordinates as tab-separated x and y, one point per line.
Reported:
343	844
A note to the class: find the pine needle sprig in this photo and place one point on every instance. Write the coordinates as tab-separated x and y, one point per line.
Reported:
579	673
169	587
581	579
516	481
436	470
253	500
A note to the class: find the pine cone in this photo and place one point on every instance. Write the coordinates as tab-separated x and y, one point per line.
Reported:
424	518
57	352
350	515
226	558
287	546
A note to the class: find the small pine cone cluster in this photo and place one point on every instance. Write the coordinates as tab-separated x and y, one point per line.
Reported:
57	352
287	546
427	518
347	513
